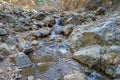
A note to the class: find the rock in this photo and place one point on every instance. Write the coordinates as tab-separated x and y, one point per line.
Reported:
88	55
3	32
28	49
100	11
38	24
5	48
1	71
117	71
21	28
43	32
39	16
34	43
1	57
63	53
31	78
93	4
75	76
43	66
9	18
110	55
34	27
49	21
22	60
59	39
102	33
17	10
67	30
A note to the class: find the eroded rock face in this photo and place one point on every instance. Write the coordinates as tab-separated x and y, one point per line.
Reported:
98	46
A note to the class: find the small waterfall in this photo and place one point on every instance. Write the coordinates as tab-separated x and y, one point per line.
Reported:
57	28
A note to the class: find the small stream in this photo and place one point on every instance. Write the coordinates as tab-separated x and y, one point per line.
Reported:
54	59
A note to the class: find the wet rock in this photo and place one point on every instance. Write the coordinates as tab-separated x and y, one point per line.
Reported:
67	30
88	55
75	76
63	53
3	32
22	60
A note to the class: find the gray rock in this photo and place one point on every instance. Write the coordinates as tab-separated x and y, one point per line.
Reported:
21	28
100	11
75	76
22	60
67	30
104	33
41	32
38	16
28	49
93	4
2	32
89	55
38	23
5	48
48	21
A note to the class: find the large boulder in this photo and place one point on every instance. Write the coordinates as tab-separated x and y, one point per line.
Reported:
104	33
98	45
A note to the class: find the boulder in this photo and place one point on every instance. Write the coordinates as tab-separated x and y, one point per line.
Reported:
22	60
105	33
67	30
88	55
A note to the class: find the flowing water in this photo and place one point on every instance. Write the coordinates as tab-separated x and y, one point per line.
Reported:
54	59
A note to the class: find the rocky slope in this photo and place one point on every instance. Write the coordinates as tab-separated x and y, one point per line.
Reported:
48	45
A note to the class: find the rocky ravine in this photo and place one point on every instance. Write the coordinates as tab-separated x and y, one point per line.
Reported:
47	45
